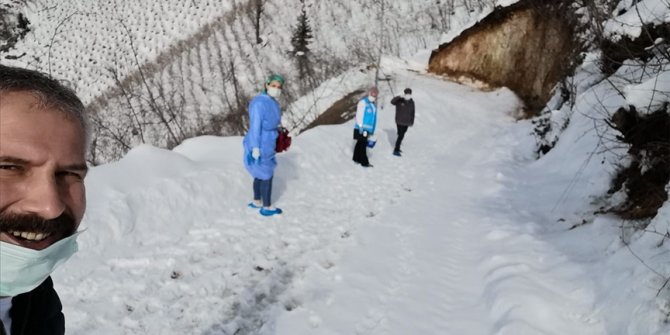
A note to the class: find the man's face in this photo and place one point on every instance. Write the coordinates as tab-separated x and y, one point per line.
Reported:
42	170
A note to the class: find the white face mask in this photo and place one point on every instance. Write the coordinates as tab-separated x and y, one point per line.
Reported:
408	96
372	99
23	269
274	92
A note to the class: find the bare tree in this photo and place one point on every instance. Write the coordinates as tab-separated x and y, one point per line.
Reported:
134	115
151	99
55	34
258	10
445	9
382	33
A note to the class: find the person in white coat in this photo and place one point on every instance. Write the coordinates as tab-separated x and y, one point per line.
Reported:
364	128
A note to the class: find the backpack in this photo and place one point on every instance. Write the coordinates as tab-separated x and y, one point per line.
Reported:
283	140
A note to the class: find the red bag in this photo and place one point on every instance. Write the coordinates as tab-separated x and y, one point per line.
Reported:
283	140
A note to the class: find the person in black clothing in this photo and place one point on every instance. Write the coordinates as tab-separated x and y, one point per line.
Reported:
43	145
37	312
404	116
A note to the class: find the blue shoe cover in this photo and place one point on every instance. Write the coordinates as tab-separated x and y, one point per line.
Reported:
253	205
270	212
396	153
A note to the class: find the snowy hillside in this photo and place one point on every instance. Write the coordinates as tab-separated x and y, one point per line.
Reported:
159	72
80	40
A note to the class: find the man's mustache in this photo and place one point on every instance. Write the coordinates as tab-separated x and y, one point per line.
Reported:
64	225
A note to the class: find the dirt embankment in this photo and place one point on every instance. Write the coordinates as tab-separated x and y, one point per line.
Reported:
526	47
341	111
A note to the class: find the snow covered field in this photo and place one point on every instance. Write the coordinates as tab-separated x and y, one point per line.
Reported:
465	234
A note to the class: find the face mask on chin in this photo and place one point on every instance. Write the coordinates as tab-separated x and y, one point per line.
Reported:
372	99
408	96
23	269
274	92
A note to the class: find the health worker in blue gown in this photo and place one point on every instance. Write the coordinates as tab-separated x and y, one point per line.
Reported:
260	143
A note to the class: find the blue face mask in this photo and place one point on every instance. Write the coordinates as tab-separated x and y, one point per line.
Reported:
23	269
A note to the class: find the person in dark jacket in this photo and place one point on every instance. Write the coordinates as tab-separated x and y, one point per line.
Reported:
36	312
43	144
404	117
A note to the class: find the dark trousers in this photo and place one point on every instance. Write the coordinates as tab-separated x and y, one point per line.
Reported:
361	148
401	134
263	191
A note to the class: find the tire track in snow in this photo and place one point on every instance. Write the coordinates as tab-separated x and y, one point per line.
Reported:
375	317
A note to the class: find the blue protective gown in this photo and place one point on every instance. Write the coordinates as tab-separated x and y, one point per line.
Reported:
264	118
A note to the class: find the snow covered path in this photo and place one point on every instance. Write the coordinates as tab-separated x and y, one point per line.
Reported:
423	244
449	257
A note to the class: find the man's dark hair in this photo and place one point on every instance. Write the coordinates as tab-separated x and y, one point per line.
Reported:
408	91
50	92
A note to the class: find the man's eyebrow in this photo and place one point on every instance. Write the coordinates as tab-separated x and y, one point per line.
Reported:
15	160
76	167
21	161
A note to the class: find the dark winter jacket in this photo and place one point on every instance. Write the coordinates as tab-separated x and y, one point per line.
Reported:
38	312
404	111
